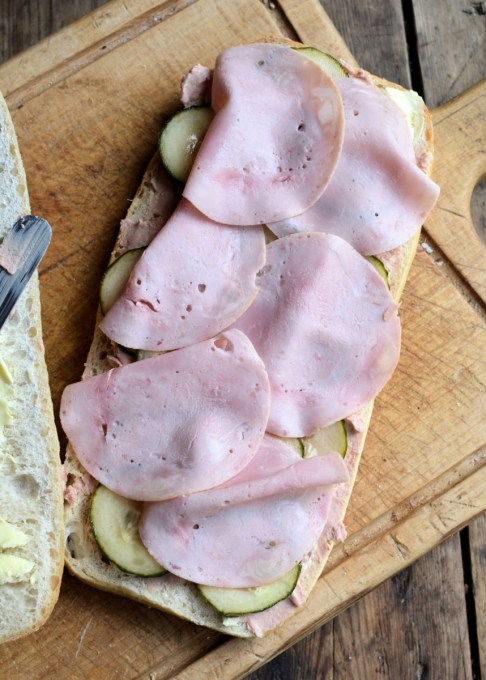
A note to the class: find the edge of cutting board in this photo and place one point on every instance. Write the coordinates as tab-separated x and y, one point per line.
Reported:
401	534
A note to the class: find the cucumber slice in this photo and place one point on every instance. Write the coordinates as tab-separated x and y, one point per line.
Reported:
116	276
145	354
330	438
239	601
181	138
114	520
328	64
413	107
295	443
380	268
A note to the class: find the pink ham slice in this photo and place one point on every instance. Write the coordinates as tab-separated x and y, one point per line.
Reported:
275	141
193	281
159	197
251	530
196	86
172	424
377	197
326	328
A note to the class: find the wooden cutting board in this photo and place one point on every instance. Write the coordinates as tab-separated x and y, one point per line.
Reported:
87	104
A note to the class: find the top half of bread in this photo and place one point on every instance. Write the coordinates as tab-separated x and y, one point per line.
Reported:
30	489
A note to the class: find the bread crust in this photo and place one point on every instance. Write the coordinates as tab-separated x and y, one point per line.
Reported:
83	557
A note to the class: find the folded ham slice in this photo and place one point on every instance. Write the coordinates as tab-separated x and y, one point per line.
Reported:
326	328
237	535
275	140
173	424
377	197
194	279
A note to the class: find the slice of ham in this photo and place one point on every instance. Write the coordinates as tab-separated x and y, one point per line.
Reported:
196	86
377	197
154	203
194	280
326	328
172	424
275	140
251	530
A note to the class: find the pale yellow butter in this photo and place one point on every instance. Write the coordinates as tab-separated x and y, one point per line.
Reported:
11	536
13	568
6	392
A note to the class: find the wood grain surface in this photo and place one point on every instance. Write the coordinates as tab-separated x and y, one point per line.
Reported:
419	623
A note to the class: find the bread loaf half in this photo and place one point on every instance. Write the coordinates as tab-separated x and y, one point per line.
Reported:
31	519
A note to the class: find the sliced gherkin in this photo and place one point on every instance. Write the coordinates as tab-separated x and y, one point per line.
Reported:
239	601
330	438
328	64
114	520
380	268
181	138
116	277
295	443
413	107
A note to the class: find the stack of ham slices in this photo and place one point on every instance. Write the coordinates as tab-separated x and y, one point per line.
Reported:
252	345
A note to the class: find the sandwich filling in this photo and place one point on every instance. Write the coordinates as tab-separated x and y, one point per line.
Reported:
285	340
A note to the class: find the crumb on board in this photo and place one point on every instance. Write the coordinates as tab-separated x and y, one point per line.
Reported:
425	246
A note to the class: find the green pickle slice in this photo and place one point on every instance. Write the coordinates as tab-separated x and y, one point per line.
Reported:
114	520
239	601
330	438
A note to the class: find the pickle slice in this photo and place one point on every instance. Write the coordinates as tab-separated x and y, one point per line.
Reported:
328	64
114	520
181	138
380	268
239	601
330	438
116	277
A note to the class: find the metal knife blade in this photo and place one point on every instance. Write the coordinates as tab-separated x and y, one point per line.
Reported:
24	246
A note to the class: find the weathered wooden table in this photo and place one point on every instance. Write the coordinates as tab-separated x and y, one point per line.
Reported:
429	621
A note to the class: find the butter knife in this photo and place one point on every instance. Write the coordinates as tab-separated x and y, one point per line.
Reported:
20	253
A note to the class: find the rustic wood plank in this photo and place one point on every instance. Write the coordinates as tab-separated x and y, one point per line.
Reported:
460	130
451	45
83	615
452	50
312	657
406	628
58	56
374	33
312	27
477	541
27	23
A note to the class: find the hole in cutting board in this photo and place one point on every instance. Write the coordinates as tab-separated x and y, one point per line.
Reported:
478	209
